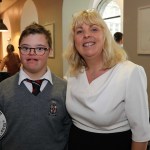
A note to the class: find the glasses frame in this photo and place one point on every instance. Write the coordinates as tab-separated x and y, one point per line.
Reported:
28	51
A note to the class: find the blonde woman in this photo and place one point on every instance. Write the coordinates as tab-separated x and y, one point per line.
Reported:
106	93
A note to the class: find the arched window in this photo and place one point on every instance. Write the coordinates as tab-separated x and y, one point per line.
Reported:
111	13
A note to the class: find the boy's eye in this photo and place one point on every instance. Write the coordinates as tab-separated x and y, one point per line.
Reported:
39	48
25	48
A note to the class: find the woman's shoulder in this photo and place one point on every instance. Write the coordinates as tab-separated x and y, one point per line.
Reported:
130	64
131	67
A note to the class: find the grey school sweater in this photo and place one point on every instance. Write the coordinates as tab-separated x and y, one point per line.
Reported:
34	122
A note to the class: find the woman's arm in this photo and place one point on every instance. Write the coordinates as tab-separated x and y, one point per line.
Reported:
2	64
139	145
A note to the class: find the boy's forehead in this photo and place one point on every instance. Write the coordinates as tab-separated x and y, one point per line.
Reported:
35	35
34	39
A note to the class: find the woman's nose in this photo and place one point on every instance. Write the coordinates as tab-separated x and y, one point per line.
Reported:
87	34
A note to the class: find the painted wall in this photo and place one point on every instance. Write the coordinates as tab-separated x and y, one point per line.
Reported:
130	35
29	9
74	5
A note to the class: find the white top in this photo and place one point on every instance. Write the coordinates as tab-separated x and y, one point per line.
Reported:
115	101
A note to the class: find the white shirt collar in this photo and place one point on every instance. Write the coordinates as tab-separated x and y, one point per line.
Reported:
23	75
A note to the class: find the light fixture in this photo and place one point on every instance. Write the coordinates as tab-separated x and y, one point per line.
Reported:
3	27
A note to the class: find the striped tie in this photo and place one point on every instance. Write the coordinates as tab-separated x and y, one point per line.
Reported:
36	84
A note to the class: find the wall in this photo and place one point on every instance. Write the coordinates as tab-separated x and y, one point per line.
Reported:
6	36
130	35
74	5
29	9
49	11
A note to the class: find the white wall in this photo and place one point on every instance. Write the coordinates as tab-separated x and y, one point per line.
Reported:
6	36
69	8
120	3
29	14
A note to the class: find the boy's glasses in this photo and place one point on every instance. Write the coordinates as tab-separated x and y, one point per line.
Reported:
37	50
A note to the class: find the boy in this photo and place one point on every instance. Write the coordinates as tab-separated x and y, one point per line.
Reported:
36	119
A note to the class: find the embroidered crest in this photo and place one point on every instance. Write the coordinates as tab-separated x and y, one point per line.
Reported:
53	108
3	124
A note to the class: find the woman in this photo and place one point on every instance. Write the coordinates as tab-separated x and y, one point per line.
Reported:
106	94
11	61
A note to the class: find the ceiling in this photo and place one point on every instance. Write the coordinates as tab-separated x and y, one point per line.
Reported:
5	4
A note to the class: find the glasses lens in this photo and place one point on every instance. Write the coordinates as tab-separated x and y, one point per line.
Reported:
24	50
38	50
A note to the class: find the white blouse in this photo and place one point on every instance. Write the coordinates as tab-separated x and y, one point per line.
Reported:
115	101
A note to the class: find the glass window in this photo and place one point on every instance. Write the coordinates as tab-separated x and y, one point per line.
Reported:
111	13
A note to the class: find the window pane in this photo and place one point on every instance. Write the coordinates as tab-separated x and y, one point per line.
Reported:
112	17
111	10
114	25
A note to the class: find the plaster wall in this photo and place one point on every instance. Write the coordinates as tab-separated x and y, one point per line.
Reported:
131	35
75	5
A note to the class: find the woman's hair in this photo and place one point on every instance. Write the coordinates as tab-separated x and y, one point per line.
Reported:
10	48
112	53
35	28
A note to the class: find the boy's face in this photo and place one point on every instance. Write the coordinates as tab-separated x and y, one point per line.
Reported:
34	65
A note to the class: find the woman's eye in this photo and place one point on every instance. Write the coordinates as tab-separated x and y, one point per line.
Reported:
94	29
78	32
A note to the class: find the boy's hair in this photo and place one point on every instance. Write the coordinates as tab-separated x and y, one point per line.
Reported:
36	28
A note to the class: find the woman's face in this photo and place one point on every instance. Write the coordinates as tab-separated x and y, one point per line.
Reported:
89	41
